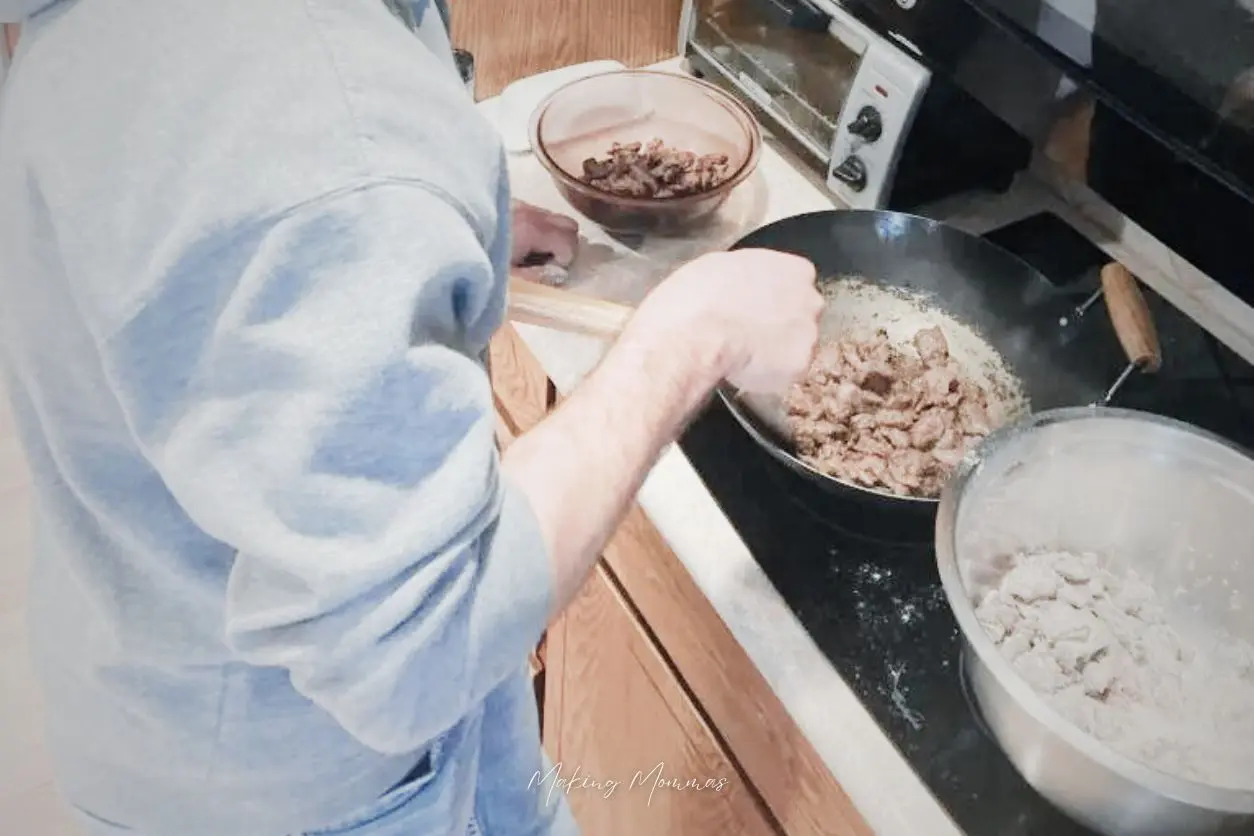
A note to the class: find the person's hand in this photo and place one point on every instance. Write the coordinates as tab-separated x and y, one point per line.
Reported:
759	308
541	241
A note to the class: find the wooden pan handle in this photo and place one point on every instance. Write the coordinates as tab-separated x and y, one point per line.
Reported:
1130	315
564	310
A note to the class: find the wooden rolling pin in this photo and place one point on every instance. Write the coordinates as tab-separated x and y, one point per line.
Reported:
565	310
1133	324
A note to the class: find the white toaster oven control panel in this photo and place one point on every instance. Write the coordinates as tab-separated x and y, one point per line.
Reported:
874	122
845	92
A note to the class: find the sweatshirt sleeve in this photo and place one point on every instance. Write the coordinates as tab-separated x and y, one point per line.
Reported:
307	390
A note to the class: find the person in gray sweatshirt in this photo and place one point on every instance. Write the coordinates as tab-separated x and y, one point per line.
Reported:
251	255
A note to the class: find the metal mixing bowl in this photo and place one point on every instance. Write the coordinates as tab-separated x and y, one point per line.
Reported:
1172	501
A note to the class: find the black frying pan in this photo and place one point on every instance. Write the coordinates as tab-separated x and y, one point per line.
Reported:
961	277
965	279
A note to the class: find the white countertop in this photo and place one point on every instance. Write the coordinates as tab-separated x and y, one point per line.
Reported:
879	781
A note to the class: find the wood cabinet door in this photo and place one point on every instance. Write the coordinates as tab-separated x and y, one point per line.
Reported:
523	395
632	752
522	390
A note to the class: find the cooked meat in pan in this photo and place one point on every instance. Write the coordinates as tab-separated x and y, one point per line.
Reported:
885	417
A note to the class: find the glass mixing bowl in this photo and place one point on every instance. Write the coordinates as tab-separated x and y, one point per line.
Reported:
584	118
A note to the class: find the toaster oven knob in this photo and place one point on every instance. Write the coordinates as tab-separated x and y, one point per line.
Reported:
851	172
867	124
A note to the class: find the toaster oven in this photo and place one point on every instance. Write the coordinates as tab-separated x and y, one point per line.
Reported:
843	92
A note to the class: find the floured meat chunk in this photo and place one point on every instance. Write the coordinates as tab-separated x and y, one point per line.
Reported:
870	413
654	170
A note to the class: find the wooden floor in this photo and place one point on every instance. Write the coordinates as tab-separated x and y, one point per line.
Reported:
509	39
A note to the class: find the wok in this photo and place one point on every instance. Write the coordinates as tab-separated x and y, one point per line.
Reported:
999	314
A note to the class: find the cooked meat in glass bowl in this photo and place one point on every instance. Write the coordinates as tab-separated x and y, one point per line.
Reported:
643	150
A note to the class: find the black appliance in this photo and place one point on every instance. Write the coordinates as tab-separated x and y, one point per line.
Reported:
1171	141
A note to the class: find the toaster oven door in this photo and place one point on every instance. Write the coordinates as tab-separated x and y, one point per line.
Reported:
796	60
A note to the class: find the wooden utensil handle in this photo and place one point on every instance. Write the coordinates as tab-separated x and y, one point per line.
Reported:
564	310
1131	318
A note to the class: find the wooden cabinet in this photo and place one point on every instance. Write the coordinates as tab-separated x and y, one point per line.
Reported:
644	690
640	756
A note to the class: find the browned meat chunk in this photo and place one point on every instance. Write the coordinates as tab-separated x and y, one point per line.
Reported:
863	422
973	418
950	448
910	468
938	385
928	428
895	418
877	380
872	445
653	170
876	415
900	439
844	399
932	347
867	470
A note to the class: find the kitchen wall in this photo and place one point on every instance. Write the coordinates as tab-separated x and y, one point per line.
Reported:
523	37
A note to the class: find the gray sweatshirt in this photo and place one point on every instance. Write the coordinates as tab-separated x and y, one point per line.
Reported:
251	252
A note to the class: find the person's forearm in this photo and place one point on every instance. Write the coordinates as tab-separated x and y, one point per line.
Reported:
581	467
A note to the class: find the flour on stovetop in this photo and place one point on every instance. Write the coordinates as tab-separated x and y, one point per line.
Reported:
1098	646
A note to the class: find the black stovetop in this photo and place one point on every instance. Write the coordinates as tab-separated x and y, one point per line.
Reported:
877	612
875	607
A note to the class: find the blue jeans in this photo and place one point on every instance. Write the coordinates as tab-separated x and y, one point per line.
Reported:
388	818
396	813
